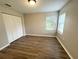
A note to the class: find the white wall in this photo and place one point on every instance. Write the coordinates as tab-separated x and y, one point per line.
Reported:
35	23
3	35
69	37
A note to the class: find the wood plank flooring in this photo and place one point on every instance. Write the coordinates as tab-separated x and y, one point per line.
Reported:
31	47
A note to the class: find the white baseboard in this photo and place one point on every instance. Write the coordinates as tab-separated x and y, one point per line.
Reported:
64	48
41	35
4	47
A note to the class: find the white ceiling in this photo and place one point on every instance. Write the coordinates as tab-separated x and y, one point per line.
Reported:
41	5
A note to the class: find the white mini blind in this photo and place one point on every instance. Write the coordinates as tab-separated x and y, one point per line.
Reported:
61	23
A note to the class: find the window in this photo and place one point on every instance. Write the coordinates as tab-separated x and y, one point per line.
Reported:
51	22
61	23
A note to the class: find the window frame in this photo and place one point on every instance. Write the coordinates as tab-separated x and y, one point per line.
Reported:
60	16
53	19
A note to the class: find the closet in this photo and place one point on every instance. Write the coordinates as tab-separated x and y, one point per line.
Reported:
13	26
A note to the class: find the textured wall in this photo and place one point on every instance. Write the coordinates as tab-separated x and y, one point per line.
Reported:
36	23
69	37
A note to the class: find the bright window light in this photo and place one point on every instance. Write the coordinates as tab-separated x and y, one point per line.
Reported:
61	23
51	23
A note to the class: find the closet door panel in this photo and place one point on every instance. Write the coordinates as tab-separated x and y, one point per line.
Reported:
13	27
9	27
18	27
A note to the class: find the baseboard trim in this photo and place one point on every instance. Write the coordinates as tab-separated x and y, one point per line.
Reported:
65	48
41	35
4	47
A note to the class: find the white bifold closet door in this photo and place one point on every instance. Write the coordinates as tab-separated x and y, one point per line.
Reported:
13	26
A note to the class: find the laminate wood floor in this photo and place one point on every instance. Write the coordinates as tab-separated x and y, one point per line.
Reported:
32	47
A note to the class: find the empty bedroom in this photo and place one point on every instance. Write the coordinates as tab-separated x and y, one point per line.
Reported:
38	29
